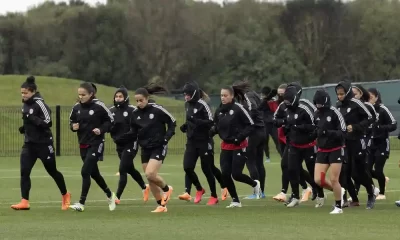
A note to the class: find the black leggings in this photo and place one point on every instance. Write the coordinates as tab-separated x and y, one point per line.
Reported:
204	150
376	163
126	155
271	130
296	157
232	164
304	175
90	169
29	154
255	162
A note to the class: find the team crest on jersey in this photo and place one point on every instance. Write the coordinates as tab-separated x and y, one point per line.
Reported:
125	114
195	110
231	112
22	109
91	112
328	118
296	116
348	110
151	116
30	111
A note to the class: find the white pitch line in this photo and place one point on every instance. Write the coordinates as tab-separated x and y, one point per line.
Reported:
140	199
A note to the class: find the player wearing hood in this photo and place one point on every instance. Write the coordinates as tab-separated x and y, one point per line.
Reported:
280	118
127	151
38	143
199	121
330	131
233	124
357	118
257	139
153	127
300	128
380	147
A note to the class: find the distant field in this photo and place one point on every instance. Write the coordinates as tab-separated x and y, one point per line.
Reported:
60	91
63	92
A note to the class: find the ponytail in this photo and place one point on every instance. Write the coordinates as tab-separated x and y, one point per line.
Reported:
150	89
240	88
204	95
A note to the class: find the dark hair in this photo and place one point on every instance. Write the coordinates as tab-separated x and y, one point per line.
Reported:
204	95
89	88
150	89
30	84
376	93
240	88
266	90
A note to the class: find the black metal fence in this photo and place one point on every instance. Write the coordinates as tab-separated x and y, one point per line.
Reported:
66	141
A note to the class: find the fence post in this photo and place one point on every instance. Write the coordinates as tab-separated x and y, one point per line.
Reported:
58	130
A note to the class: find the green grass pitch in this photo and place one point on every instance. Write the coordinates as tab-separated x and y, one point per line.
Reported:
258	219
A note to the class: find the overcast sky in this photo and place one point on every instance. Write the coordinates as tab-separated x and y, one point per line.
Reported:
22	5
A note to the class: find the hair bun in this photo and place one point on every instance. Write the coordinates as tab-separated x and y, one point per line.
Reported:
30	79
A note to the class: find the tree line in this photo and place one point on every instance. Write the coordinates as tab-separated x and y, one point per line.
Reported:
134	42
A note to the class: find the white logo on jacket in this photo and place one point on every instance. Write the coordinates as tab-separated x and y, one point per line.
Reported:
125	114
151	116
91	112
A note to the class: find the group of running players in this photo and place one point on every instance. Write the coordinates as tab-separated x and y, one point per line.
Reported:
351	139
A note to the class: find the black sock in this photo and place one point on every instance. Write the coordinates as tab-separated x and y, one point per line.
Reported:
284	190
108	192
338	204
166	188
214	194
144	187
254	184
159	203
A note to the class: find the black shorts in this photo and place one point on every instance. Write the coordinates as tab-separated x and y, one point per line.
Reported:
338	156
154	153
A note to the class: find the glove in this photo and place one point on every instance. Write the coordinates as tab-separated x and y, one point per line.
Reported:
279	122
183	128
212	132
21	130
321	132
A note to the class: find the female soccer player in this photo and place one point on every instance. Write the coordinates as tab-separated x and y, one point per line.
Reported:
257	138
279	119
91	119
199	121
357	119
38	143
300	128
127	151
363	95
148	127
233	125
380	149
331	130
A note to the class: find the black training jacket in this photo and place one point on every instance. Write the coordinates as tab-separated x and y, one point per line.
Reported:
232	121
122	116
91	115
36	116
386	123
253	101
148	126
331	128
354	113
199	120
